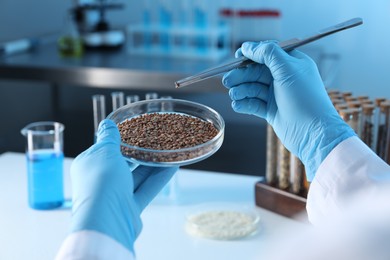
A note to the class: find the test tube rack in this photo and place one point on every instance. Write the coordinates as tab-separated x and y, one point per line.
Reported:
287	200
179	41
280	201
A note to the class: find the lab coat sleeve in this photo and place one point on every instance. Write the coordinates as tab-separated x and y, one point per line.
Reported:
352	168
88	244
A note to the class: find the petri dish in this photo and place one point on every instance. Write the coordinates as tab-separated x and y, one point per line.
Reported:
222	221
175	157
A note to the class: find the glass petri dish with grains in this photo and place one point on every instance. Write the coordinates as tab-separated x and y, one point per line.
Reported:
168	132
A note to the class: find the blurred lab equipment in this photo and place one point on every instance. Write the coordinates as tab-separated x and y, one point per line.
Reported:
70	43
17	46
44	156
189	29
265	24
95	29
287	45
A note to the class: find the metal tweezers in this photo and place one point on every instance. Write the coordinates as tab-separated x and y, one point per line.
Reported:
286	45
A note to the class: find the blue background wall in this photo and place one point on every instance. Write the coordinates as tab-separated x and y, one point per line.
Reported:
363	67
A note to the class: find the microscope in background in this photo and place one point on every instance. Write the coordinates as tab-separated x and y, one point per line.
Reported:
94	28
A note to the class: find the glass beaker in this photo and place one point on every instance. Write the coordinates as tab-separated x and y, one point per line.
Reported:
44	154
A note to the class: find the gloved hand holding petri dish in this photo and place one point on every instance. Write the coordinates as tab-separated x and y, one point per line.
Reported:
168	132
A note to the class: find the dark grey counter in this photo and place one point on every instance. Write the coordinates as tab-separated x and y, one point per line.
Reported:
106	69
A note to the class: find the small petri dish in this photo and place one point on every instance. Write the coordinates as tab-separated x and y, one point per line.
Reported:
222	221
174	157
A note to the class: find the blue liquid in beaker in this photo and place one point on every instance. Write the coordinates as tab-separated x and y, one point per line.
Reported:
45	179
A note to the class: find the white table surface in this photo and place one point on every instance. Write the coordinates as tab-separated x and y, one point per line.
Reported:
32	234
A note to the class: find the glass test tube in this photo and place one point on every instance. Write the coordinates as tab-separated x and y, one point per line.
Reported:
351	117
118	100
346	94
354	103
99	110
151	95
384	131
350	98
333	92
297	174
147	21
336	96
337	100
165	12
183	21
166	106
356	107
387	149
368	125
152	107
366	101
378	102
283	166
341	106
272	155
131	99
202	14
362	98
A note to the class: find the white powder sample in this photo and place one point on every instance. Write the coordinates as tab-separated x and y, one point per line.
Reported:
222	224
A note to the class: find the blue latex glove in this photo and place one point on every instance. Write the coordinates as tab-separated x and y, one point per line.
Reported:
107	196
287	90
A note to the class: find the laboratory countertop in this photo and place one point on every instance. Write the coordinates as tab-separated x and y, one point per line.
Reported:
107	69
31	234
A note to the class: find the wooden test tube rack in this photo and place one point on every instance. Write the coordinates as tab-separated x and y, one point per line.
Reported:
280	201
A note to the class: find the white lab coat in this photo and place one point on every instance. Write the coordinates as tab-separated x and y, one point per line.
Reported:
350	192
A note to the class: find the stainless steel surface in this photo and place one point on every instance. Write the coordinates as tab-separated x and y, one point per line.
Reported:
286	45
106	69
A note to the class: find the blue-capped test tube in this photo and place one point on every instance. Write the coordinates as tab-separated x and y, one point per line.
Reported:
201	23
183	19
147	22
165	13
